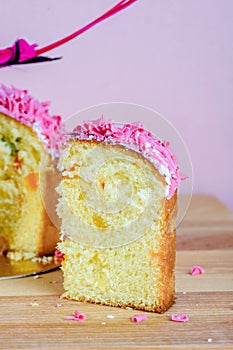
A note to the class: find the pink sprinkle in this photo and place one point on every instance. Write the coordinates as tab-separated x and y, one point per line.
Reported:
138	318
58	305
197	270
59	254
71	318
78	316
179	318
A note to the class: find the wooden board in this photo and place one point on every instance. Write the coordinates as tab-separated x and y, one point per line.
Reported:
30	318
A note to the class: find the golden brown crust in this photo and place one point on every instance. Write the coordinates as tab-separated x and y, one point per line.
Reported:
158	309
167	255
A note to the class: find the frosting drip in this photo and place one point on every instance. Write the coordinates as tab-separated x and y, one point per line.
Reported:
19	105
135	136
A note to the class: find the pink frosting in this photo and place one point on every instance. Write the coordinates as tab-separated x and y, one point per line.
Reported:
135	136
19	105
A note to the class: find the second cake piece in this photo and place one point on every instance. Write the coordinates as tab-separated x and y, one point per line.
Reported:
117	204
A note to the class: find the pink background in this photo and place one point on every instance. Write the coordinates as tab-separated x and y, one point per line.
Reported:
174	56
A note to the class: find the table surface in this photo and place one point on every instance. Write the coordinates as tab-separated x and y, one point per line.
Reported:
30	316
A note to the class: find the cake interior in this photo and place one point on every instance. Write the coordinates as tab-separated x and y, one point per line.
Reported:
119	237
24	224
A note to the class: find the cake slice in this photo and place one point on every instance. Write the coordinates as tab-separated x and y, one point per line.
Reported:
118	198
28	135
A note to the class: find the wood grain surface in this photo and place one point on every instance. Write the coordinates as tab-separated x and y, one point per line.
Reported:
30	316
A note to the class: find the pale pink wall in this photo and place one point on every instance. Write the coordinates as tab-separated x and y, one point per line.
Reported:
175	56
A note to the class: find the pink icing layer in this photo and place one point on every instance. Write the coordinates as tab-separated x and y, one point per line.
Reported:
19	105
135	136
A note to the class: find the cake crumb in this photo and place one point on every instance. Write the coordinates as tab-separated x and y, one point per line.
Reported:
18	256
34	304
44	260
103	323
110	316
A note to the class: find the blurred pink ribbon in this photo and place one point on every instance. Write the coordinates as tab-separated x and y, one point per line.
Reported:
22	52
